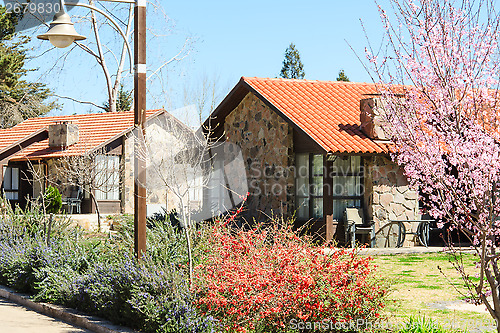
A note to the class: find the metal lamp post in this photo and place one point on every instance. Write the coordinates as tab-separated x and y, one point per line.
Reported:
62	34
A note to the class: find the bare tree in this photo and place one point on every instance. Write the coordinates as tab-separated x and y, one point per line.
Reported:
94	172
109	49
176	157
205	94
180	163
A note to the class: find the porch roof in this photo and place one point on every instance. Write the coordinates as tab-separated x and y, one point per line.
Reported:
94	130
327	111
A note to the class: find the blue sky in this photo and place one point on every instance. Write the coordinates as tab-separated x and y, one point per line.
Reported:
232	39
249	38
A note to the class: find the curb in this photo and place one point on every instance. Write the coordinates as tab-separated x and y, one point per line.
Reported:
67	315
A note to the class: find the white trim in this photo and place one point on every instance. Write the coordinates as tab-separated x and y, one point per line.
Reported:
140	68
140	3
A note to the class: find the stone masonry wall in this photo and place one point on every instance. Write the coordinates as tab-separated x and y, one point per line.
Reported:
156	196
266	143
127	189
389	197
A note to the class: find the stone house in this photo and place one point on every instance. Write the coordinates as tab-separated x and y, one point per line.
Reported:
308	155
36	146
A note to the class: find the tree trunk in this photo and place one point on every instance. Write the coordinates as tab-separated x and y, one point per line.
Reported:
188	243
92	196
49	228
102	62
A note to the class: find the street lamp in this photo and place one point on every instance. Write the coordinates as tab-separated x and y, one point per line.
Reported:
62	34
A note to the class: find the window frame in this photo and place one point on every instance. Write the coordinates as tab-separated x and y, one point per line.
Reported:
310	177
10	189
109	188
360	174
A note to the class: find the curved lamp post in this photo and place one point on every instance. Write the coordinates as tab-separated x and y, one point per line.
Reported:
62	34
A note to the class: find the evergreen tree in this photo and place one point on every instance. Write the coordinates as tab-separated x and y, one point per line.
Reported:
124	101
19	99
342	76
292	66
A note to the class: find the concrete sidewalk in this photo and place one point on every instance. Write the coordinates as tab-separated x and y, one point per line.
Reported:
16	318
21	312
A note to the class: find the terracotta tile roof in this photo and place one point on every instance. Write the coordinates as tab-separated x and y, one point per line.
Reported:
94	130
328	111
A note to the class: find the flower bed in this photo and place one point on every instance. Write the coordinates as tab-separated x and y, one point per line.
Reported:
262	279
245	280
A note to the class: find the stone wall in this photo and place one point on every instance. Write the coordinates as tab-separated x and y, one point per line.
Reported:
388	197
156	195
266	142
55	178
127	190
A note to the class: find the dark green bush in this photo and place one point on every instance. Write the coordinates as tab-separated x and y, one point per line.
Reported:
53	200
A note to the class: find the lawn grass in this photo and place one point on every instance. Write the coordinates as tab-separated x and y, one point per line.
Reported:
417	284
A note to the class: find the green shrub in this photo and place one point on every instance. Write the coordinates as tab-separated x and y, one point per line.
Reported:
53	200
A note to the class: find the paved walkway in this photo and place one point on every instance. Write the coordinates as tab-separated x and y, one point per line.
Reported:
15	318
403	250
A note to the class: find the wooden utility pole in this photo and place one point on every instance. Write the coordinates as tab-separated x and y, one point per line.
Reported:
139	120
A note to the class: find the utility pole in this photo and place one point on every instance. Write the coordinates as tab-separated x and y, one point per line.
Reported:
140	208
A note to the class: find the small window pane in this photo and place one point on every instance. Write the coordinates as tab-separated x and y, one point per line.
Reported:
317	186
12	195
302	165
303	208
114	193
303	187
346	186
15	178
317	207
7	178
317	165
355	164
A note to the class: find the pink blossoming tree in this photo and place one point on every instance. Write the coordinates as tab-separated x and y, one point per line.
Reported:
439	79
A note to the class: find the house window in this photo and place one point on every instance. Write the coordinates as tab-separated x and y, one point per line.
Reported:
348	185
11	183
216	188
107	177
309	185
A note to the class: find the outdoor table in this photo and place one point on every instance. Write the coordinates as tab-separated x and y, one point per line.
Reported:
422	231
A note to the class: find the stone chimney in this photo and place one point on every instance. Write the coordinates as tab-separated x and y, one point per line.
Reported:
371	117
63	134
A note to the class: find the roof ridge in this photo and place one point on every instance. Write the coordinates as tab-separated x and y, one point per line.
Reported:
85	115
304	80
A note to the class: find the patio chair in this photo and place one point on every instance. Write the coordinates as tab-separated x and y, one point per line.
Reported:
74	200
356	225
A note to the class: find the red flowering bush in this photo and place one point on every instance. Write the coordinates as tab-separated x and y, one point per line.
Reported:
260	279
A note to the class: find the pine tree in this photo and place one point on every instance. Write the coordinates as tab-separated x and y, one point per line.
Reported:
124	101
19	99
342	76
292	66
